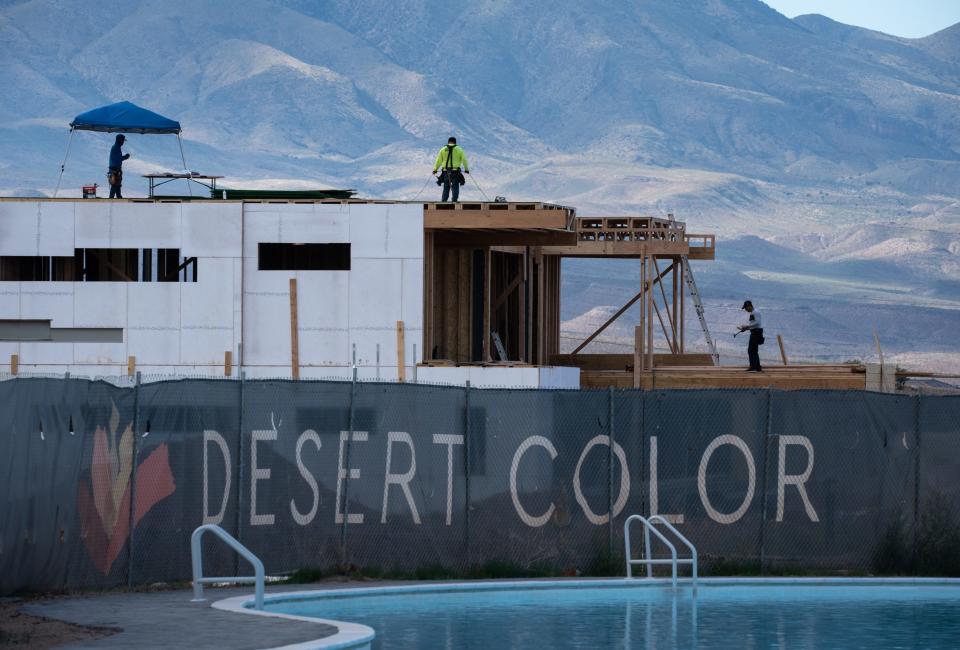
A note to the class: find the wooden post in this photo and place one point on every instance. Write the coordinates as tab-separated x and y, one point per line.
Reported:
487	289
294	332
227	363
683	294
643	303
676	314
401	365
637	355
131	366
14	364
522	326
783	354
649	288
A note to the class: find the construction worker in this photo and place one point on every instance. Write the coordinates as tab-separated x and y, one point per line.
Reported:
450	159
115	167
755	325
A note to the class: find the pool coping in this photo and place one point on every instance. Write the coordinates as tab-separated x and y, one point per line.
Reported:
352	635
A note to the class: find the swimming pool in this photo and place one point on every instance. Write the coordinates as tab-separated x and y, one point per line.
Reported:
726	613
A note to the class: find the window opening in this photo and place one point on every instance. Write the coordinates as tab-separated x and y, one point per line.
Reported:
303	257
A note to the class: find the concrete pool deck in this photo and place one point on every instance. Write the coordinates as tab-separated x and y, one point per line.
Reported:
167	619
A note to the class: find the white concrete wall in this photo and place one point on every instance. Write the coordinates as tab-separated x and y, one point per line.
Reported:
170	327
184	328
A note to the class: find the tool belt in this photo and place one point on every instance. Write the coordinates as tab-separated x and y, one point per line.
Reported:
114	176
758	333
453	176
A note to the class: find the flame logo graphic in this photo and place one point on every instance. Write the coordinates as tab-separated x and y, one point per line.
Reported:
104	501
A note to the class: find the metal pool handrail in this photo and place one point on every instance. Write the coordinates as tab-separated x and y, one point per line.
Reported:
648	527
196	553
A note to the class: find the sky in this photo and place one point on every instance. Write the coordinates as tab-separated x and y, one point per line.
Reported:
907	18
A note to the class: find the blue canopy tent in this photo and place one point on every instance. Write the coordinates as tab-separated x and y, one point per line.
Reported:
122	117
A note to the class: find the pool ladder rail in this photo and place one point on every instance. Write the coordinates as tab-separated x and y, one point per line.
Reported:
647	559
196	553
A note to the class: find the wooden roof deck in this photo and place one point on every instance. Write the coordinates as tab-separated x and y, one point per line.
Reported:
838	377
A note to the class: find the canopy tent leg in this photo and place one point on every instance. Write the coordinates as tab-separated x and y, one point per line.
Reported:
64	163
184	159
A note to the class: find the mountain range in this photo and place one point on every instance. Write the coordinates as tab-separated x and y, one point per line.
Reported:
825	156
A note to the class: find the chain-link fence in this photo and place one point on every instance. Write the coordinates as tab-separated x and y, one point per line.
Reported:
103	484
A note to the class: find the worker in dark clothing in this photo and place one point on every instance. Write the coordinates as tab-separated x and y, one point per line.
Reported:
755	325
449	160
115	168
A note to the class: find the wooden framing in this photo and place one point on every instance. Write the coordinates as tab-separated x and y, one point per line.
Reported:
14	364
401	347
227	363
294	331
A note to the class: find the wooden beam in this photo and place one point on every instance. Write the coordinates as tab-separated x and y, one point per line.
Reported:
464	303
294	332
428	297
783	354
503	237
131	366
482	219
522	334
615	316
517	281
672	335
14	364
227	363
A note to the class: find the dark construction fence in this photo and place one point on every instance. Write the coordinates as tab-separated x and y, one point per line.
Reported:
102	486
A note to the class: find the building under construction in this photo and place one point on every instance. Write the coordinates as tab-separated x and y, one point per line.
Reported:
410	291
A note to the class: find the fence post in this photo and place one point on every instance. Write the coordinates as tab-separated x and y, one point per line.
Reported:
466	470
610	473
916	476
763	491
346	483
133	478
240	464
644	461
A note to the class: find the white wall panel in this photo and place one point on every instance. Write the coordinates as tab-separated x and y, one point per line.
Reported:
375	293
100	353
404	226
255	281
100	304
324	347
56	229
368	231
46	352
48	300
259	226
308	227
412	298
153	346
9	300
92	224
211	229
209	301
559	377
145	225
323	299
153	304
6	349
366	341
19	228
204	346
266	330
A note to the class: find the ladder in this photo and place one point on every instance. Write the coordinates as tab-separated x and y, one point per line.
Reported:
647	557
698	305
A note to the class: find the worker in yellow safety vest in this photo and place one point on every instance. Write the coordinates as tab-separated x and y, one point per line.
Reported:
449	161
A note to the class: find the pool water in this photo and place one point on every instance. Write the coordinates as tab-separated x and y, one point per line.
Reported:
864	615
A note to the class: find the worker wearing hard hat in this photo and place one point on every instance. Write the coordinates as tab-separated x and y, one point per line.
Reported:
755	325
449	160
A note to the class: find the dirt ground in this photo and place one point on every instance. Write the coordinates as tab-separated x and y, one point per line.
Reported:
18	630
